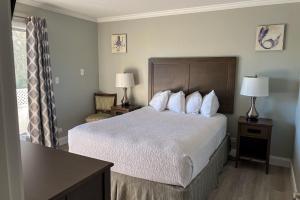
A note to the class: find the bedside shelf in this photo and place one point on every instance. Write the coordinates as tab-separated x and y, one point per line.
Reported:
254	140
247	150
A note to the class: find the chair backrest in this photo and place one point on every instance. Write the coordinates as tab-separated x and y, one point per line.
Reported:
104	102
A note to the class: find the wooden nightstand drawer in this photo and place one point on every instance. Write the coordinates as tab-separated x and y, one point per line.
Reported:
254	131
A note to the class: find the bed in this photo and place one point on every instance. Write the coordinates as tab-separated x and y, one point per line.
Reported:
165	155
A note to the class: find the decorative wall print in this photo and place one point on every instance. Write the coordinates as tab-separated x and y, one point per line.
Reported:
270	37
119	43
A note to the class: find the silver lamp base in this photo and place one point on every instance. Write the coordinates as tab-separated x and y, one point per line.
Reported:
125	101
252	114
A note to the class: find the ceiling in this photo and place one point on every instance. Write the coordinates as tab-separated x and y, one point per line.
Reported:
103	10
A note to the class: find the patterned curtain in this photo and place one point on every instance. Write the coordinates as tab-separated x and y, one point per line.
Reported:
42	115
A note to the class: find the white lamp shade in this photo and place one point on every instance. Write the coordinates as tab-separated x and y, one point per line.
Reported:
124	80
255	86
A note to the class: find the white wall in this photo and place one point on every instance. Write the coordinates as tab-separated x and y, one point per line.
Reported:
220	33
11	184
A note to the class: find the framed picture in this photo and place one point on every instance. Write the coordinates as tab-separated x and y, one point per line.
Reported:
119	43
270	37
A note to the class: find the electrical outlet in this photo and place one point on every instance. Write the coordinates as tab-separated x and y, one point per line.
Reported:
81	72
57	80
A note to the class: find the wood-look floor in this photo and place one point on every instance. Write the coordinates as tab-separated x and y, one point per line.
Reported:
249	182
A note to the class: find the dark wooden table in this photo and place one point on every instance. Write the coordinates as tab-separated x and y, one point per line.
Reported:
254	140
58	175
119	109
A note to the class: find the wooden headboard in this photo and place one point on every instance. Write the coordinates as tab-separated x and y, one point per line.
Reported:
195	74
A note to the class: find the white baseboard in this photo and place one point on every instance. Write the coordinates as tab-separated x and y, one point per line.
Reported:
293	178
280	161
63	140
274	160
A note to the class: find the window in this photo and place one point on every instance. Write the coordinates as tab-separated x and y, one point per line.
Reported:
19	44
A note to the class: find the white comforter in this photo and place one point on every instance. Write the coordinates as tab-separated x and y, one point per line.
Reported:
165	147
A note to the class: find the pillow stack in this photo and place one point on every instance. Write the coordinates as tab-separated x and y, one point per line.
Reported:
192	104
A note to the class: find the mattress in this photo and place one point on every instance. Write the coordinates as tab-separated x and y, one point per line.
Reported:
124	187
164	147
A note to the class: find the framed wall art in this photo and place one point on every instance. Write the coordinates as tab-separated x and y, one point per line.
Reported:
119	43
270	37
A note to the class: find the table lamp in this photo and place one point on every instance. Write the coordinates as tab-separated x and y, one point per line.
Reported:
253	87
124	80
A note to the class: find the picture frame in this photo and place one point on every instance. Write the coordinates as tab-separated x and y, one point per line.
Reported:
270	37
119	43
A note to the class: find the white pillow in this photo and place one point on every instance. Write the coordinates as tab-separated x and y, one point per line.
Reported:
176	102
159	100
210	104
193	103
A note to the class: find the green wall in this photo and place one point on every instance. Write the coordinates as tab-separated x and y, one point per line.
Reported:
73	45
220	33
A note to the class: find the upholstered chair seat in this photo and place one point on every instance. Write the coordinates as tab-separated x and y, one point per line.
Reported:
98	116
103	104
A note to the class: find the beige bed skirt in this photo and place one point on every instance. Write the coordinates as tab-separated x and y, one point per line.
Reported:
125	187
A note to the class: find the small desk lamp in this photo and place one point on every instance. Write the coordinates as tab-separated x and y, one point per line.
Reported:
253	87
124	80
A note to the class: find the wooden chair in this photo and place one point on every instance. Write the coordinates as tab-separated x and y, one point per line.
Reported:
103	104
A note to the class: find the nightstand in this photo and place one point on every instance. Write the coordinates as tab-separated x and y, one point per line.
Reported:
254	140
119	109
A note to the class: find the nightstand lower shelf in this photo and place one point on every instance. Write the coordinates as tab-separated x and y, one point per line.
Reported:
254	148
